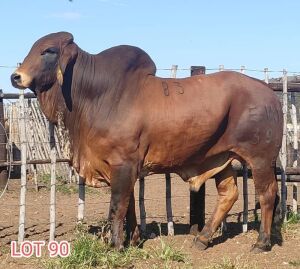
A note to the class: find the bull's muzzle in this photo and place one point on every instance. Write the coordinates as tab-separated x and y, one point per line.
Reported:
19	81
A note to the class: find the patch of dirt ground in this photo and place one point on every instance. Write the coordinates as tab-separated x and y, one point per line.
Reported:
233	244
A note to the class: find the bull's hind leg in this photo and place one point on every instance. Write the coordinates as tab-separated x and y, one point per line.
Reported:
122	184
266	186
228	194
132	230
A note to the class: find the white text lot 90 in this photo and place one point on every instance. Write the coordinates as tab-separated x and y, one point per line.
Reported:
28	249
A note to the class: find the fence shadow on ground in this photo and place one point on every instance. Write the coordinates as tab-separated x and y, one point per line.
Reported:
233	229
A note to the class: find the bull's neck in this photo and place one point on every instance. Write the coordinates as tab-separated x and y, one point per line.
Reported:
96	85
51	102
84	72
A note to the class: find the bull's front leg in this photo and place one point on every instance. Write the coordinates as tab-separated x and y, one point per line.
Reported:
122	184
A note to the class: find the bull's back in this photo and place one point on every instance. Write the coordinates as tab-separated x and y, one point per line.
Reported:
184	116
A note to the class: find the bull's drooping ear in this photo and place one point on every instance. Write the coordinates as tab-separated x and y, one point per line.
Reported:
68	55
59	76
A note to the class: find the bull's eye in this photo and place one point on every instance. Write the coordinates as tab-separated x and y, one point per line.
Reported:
50	51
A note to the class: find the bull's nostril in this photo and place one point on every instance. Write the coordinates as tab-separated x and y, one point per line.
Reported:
15	77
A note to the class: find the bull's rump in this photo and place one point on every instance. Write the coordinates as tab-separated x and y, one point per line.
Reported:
205	115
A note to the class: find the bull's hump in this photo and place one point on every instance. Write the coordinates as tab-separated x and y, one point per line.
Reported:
127	58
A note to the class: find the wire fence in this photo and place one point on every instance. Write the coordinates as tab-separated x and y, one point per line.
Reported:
220	67
97	206
37	142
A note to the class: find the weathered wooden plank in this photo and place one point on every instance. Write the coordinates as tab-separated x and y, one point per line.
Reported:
245	198
293	113
291	86
197	199
81	199
283	155
142	205
16	95
3	151
23	148
266	72
53	183
169	205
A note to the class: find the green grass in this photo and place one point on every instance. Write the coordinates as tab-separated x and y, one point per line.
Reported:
291	225
67	188
293	218
91	251
168	253
4	249
225	264
295	263
228	263
63	186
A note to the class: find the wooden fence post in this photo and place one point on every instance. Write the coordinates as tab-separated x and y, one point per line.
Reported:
245	186
3	141
168	181
174	71
142	205
243	69
169	205
23	149
32	144
284	143
223	224
71	175
245	198
266	72
293	112
197	199
81	199
10	124
52	182
256	196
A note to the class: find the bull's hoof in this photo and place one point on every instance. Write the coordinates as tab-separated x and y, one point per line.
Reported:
194	230
133	240
119	247
200	244
117	244
136	238
259	248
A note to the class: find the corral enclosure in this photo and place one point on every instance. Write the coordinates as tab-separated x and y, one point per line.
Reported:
93	205
37	138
